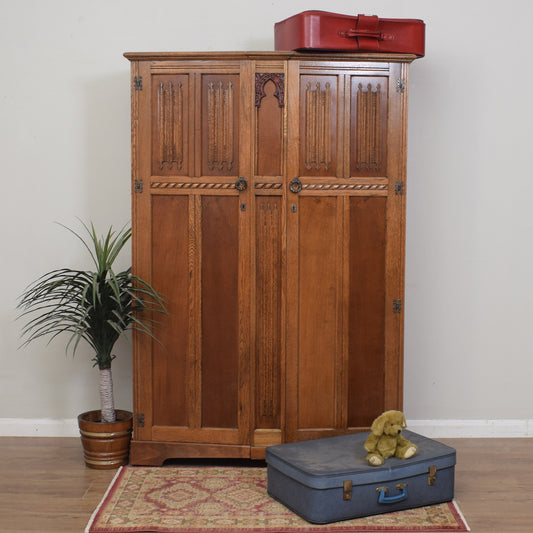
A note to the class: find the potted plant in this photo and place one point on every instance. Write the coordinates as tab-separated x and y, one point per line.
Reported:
97	306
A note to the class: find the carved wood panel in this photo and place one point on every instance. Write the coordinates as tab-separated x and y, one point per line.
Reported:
278	79
220	112
318	125
268	228
368	127
170	142
269	102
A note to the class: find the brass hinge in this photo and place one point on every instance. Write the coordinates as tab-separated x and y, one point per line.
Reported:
401	84
398	187
138	83
140	420
396	306
138	186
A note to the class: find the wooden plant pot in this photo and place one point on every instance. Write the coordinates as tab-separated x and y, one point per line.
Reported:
105	445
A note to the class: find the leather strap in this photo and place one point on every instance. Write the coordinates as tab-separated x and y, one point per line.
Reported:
368	35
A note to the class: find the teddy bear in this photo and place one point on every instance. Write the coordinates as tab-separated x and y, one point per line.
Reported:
385	439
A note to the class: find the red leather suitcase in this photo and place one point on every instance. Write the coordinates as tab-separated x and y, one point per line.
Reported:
320	30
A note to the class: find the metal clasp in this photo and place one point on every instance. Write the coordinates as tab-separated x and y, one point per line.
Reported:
347	490
432	476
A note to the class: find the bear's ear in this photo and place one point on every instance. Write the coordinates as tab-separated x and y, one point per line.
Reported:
378	425
404	423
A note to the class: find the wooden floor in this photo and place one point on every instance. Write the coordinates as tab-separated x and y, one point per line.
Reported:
44	485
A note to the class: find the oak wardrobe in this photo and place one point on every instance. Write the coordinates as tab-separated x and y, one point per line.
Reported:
269	209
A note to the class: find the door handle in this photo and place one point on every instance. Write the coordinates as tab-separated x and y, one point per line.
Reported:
295	185
241	184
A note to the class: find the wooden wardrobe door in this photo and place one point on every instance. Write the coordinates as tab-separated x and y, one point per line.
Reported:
192	243
314	252
344	257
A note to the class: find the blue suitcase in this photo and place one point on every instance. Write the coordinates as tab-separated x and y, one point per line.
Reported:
329	480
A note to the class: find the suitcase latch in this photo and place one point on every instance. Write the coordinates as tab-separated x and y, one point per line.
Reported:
432	476
347	490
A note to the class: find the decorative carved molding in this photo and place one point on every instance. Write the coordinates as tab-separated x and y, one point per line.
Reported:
182	185
193	185
220	125
368	132
170	125
268	297
317	126
344	187
268	185
268	208
261	80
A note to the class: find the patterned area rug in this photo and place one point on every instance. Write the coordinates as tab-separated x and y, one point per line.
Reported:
231	499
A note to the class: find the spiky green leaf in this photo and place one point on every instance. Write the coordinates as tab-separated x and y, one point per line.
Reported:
95	306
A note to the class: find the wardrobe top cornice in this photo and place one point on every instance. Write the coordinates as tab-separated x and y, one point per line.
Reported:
242	56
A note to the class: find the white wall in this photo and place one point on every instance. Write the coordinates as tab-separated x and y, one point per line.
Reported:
64	145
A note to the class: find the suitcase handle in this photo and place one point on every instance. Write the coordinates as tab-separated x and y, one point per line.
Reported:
361	33
366	28
383	498
355	33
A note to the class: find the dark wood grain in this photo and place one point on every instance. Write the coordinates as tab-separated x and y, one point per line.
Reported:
366	333
170	273
220	315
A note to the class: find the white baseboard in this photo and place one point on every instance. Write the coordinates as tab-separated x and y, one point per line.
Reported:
500	428
68	427
39	427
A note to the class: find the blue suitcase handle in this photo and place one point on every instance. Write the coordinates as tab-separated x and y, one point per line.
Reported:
383	498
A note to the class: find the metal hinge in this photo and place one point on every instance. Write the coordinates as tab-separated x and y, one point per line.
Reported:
396	306
140	420
398	187
138	187
401	84
138	83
